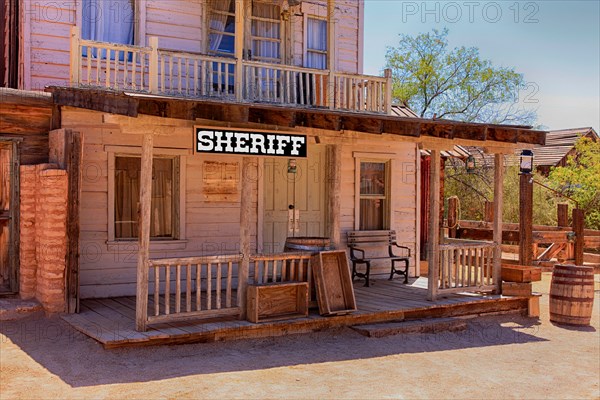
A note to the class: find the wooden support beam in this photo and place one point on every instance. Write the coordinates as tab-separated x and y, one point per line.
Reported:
240	20
526	219
488	214
73	160
248	163
452	216
331	53
434	226
562	215
497	221
334	181
141	304
578	228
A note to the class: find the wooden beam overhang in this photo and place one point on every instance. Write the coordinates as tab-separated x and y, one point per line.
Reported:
228	112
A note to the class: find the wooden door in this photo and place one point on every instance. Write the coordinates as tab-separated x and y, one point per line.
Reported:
294	204
8	218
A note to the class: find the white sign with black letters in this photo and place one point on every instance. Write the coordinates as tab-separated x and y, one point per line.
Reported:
228	141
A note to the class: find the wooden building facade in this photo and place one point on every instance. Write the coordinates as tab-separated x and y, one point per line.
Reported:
210	133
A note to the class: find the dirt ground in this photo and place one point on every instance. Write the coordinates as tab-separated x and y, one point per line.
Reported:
506	356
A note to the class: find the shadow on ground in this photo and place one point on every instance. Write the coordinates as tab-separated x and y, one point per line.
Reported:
79	361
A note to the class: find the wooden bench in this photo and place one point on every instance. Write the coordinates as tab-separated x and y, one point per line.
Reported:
360	241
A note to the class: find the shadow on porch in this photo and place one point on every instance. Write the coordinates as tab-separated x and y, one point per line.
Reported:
112	321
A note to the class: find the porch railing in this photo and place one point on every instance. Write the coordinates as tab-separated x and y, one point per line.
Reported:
192	288
192	75
465	266
200	288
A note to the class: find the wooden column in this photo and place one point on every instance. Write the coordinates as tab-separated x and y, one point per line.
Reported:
578	228
73	154
153	65
141	304
497	221
434	226
75	66
562	215
331	39
488	215
240	12
452	216
245	232
334	180
526	219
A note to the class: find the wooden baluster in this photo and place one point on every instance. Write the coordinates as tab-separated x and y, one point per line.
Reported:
88	64
226	83
456	267
294	93
198	286
309	277
188	288
228	290
187	76
218	286
463	262
98	64
442	268
156	290
178	288
167	289
301	93
209	286
195	77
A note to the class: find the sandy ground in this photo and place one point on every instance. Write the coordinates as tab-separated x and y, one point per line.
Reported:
496	357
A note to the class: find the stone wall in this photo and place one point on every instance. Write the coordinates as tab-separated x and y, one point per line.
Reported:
44	193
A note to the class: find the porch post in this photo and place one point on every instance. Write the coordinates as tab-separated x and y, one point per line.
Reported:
331	53
526	219
497	223
434	226
334	177
245	231
75	56
239	48
141	303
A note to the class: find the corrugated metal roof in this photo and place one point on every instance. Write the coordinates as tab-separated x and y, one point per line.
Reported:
401	110
559	143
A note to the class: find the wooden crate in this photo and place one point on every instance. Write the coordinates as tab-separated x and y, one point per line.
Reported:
276	301
516	289
521	273
333	280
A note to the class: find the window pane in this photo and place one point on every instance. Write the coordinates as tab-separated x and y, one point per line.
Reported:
127	194
372	178
371	214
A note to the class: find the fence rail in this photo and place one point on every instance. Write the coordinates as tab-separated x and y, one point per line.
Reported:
466	266
193	75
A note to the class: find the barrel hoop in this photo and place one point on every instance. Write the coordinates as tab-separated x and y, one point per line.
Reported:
572	299
586	276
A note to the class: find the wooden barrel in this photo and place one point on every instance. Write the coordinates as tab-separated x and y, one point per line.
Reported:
572	295
311	244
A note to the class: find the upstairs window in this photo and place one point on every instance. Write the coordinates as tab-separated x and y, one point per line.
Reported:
266	32
108	21
316	43
221	27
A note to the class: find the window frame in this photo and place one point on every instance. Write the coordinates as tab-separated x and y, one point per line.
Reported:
139	21
387	160
179	157
208	31
306	50
252	38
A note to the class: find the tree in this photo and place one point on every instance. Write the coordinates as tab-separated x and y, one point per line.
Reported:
454	83
579	179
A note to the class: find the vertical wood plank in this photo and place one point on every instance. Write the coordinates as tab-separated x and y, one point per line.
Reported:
178	288
167	289
144	233
434	225
188	288
218	286
228	290
156	290
334	186
198	286
209	286
525	219
245	232
578	228
497	223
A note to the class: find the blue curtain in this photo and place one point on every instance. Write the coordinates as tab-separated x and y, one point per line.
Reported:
108	21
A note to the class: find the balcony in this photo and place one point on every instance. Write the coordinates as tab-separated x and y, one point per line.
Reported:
156	71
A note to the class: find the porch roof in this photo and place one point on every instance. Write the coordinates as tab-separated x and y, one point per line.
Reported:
131	104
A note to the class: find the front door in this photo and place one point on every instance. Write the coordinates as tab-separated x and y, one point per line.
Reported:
8	227
294	203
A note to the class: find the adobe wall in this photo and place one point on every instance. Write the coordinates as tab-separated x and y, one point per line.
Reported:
43	235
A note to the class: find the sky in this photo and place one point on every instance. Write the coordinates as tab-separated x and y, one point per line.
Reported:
555	44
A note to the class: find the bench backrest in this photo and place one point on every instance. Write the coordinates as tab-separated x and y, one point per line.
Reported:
371	238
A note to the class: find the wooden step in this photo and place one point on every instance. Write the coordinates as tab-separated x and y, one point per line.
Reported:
431	325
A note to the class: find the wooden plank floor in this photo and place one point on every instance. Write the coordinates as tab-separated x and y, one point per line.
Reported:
112	321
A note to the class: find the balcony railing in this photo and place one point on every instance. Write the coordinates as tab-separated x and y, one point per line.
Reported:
192	75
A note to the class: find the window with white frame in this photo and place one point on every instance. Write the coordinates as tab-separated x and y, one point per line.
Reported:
109	21
165	193
373	193
316	43
221	27
265	29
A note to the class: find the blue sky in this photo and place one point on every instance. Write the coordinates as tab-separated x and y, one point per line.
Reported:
555	44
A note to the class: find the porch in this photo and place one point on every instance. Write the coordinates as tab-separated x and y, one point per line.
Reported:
111	321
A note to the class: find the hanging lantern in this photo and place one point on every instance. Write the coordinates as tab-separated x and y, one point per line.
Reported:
470	164
526	162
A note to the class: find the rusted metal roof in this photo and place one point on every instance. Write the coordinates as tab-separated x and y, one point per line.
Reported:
401	110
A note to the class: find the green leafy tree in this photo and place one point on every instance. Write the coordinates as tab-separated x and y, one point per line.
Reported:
579	179
454	83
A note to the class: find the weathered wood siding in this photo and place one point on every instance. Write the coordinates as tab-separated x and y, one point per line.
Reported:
179	25
212	228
